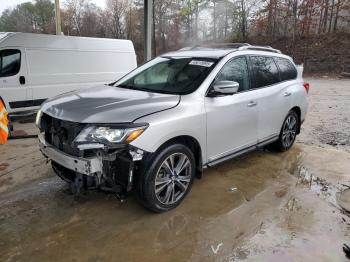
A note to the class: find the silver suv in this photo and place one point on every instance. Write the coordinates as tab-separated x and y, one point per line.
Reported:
155	129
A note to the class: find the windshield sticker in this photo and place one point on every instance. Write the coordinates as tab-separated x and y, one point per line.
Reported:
201	63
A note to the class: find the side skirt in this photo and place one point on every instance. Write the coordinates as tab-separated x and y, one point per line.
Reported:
243	151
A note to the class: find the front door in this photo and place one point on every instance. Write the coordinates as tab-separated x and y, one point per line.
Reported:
13	76
232	119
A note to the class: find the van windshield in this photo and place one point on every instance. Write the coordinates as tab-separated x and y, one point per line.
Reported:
180	75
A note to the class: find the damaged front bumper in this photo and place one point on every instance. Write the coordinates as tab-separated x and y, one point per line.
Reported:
86	166
107	169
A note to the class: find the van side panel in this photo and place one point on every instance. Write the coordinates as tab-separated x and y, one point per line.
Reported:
53	72
53	65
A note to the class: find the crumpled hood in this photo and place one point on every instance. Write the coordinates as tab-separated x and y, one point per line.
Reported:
107	104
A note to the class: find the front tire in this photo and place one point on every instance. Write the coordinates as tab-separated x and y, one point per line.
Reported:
288	132
168	179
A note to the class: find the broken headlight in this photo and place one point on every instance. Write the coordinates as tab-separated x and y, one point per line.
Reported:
109	134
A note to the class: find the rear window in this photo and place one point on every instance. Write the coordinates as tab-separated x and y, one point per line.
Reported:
287	69
10	62
265	70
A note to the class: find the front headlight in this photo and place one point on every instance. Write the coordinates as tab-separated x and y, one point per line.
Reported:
108	134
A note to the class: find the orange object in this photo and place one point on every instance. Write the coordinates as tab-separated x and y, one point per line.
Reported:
4	131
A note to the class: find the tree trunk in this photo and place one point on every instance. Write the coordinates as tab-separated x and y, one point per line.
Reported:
196	22
214	21
243	19
331	18
325	17
295	18
336	17
154	50
321	17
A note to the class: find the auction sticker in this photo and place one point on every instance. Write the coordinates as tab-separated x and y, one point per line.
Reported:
201	63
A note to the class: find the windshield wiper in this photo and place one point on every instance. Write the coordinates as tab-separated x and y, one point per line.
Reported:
144	89
126	86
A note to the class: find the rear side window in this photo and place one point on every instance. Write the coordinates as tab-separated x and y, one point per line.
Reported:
265	70
287	69
10	62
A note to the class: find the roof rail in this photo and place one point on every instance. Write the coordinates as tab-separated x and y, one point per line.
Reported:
237	46
259	48
215	46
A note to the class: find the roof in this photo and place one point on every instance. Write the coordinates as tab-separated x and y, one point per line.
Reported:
30	40
218	50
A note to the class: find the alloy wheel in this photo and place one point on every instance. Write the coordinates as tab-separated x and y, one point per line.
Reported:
173	178
289	131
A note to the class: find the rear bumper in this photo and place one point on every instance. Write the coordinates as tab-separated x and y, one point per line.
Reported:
86	166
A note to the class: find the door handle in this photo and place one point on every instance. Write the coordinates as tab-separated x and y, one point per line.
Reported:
252	103
22	80
287	93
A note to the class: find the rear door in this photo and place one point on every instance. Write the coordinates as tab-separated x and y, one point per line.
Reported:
275	97
232	119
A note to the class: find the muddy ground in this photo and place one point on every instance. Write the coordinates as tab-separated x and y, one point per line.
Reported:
265	206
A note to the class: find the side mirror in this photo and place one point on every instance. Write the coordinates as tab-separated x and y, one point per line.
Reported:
225	88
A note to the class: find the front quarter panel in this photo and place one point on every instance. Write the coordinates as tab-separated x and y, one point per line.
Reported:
186	119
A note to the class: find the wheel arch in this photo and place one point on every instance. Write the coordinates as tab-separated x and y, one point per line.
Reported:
297	110
193	144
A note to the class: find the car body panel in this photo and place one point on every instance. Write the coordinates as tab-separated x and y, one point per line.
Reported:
231	123
107	104
187	119
274	104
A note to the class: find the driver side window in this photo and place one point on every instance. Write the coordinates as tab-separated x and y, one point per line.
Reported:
10	62
236	70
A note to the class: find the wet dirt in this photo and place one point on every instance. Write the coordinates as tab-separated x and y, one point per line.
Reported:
264	206
328	118
343	200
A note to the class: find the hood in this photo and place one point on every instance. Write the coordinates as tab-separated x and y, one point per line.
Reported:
107	104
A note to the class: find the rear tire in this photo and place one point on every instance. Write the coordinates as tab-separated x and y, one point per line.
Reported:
288	132
168	179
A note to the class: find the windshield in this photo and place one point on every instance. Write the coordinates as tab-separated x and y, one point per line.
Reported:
169	75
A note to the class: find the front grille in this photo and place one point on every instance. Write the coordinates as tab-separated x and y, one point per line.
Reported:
60	133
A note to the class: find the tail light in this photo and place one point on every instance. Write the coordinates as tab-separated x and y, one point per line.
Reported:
307	87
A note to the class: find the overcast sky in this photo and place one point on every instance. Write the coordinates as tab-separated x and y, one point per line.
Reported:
12	3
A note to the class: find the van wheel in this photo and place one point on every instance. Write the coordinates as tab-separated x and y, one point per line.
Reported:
288	132
168	179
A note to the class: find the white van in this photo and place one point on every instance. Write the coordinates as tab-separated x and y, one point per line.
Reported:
34	67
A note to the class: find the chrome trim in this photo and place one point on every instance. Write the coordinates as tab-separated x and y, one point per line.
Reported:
86	166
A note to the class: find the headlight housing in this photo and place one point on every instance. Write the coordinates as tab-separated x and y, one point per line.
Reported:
109	134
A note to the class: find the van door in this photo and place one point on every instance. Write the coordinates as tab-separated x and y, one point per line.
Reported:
274	101
13	74
232	120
